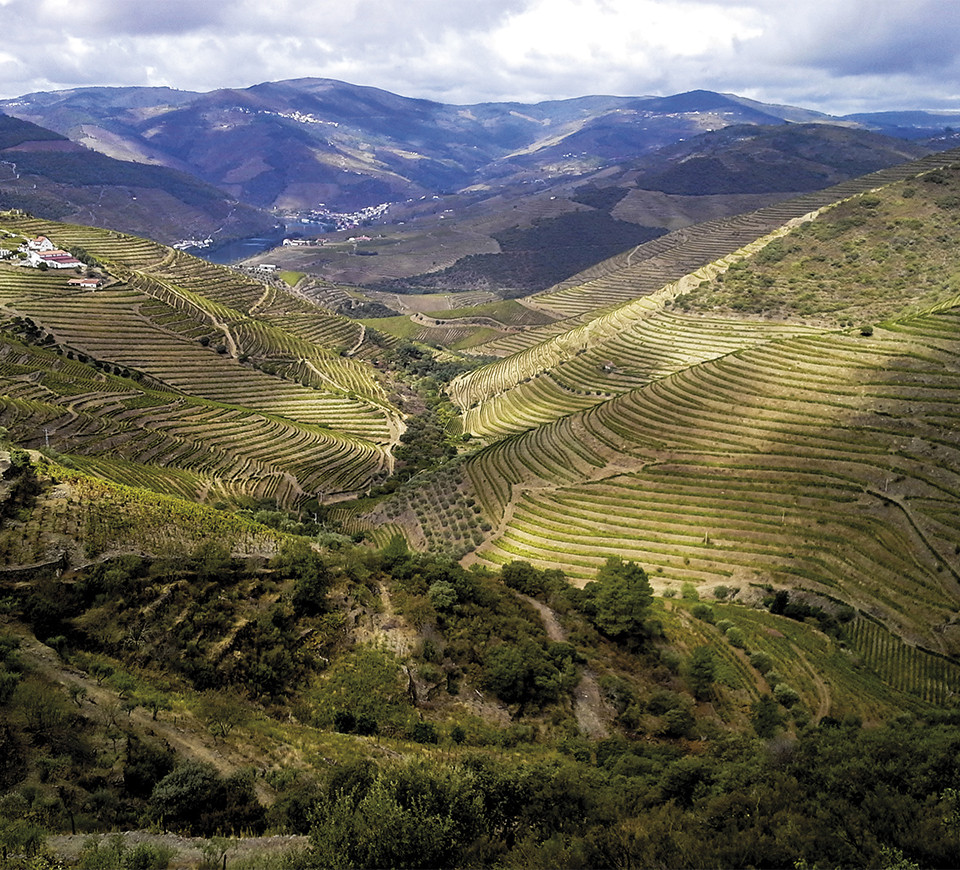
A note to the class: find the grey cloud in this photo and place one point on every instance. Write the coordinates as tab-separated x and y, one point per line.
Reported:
836	55
865	37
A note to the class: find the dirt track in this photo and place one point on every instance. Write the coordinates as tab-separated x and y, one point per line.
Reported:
593	714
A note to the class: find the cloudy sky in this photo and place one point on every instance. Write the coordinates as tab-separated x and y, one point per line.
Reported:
834	55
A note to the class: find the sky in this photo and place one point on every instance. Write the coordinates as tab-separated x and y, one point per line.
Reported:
837	56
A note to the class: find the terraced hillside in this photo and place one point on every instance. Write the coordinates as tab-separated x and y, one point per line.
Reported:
612	353
714	450
228	387
822	461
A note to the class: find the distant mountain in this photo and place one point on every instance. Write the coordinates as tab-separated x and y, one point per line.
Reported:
764	159
299	143
48	175
910	124
712	175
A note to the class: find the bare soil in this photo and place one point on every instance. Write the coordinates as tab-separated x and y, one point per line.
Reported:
592	712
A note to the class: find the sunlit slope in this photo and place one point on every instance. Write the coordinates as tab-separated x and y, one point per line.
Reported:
122	430
252	322
76	516
879	254
669	257
824	461
246	391
610	354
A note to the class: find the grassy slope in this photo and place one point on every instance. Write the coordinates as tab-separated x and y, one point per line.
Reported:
178	587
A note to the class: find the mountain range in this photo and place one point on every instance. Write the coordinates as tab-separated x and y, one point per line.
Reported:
47	174
295	144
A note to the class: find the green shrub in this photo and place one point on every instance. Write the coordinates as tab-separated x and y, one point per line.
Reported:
785	695
705	613
735	638
761	661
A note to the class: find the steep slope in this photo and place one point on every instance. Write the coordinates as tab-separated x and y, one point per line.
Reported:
48	175
237	389
738	453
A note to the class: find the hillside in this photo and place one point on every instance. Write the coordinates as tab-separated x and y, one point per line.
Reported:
803	449
186	377
46	174
194	671
658	567
515	237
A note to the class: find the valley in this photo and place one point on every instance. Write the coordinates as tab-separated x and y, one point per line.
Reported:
638	551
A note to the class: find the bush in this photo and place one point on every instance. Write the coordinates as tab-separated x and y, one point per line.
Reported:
148	856
735	638
701	672
705	613
344	721
677	722
785	695
424	732
619	600
766	717
761	661
194	798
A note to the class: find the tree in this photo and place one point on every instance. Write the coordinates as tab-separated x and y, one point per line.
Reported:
414	817
523	577
766	716
298	561
702	671
621	598
197	799
222	711
395	551
522	673
145	765
179	797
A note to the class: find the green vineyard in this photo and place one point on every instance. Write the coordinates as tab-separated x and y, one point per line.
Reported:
714	449
223	388
909	669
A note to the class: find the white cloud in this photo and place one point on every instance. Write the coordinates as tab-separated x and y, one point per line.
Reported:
835	55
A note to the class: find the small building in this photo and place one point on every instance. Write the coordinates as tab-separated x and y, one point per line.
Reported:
54	259
40	243
85	283
267	267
